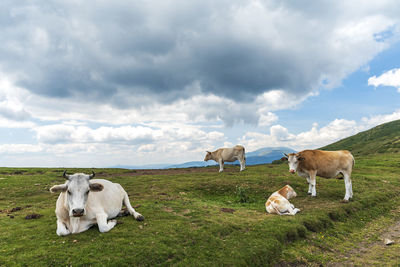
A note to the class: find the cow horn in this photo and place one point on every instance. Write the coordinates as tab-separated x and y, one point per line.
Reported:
285	155
92	175
65	175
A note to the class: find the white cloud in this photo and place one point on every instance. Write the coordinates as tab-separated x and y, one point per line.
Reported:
19	103
373	121
147	148
61	133
267	119
317	136
20	148
280	133
389	78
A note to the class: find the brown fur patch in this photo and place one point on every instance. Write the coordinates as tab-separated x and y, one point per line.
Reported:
58	188
275	199
96	187
326	163
284	191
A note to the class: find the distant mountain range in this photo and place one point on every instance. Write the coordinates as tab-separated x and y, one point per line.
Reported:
260	156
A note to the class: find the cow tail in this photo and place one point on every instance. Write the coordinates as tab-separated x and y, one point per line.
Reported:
128	204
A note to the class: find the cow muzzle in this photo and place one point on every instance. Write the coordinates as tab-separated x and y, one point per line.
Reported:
292	171
78	212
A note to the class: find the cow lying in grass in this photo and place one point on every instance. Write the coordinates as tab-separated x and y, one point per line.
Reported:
326	164
83	202
230	154
278	202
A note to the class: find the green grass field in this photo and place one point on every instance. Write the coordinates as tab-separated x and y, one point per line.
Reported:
186	223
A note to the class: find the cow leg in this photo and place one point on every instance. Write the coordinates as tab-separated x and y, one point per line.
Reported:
221	165
290	211
293	211
131	210
351	188
309	185
348	186
104	226
312	175
61	228
242	164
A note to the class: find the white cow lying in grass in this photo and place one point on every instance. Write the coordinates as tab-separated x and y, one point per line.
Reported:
84	202
278	202
230	154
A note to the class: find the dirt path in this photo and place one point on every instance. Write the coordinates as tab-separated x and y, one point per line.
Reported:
362	247
369	244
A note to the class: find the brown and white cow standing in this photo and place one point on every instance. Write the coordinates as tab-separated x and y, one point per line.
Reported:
230	154
326	164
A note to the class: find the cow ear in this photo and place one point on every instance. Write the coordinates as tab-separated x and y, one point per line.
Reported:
284	158
96	187
59	188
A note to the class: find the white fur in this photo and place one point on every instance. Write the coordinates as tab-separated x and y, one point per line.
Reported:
99	207
280	205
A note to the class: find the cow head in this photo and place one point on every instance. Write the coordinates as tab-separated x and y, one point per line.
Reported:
208	156
77	188
287	191
293	160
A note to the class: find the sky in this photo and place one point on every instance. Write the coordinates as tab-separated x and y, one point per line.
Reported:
106	83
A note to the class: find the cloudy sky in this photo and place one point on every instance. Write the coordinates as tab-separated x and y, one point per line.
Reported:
97	84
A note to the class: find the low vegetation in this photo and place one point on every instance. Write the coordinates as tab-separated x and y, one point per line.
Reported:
192	218
384	138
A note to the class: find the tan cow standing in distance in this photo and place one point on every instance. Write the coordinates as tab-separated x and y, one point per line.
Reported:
231	154
326	164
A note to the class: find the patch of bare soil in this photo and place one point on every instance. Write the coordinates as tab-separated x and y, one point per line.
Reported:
8	211
375	252
32	216
227	210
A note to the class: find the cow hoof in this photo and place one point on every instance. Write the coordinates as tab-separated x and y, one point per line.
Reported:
345	201
309	193
63	233
140	218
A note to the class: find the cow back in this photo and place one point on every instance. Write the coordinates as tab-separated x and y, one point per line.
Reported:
326	163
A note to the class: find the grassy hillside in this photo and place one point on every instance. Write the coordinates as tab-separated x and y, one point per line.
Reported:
199	217
381	139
